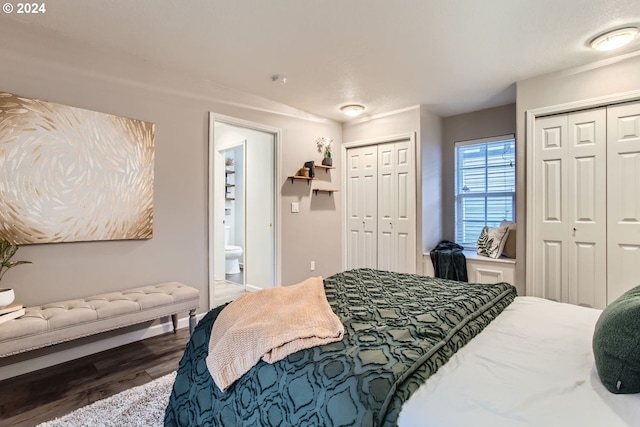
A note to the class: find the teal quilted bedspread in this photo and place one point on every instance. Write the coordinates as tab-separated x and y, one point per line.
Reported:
399	329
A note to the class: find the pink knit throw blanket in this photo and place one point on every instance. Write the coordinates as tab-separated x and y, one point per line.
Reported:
270	324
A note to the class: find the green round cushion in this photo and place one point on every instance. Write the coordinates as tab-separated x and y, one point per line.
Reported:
616	344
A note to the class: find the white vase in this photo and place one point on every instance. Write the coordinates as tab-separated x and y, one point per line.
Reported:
6	296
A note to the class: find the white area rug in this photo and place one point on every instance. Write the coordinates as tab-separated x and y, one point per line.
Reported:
141	406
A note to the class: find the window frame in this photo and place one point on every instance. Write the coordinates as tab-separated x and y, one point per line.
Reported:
459	198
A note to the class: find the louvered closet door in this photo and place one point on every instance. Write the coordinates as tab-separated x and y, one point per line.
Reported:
362	205
623	189
570	208
396	207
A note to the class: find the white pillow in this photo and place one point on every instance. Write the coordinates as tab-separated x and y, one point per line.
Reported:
492	240
510	245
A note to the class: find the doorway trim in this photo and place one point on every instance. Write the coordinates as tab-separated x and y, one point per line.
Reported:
211	219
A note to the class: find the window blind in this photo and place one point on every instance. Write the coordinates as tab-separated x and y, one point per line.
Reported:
485	186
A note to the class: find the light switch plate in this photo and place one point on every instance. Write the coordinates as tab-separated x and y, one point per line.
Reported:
295	207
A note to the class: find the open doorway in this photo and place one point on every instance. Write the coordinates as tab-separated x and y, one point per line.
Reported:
243	208
234	213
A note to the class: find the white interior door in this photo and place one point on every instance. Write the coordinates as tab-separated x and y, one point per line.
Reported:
623	190
362	188
570	208
587	207
259	257
381	206
396	207
386	207
549	240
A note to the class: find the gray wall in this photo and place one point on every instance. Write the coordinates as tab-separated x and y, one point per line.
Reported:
479	124
605	78
66	71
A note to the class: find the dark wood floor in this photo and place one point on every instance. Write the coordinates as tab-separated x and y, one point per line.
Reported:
43	395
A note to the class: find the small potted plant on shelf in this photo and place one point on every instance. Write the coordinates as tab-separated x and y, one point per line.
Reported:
324	144
7	251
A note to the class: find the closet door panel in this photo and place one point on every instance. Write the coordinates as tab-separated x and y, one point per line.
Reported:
405	210
386	252
549	242
623	189
587	208
386	205
551	282
362	182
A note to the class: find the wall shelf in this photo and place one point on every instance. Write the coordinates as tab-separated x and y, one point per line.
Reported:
326	168
304	178
227	190
324	190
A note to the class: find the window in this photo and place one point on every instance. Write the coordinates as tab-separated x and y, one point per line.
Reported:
485	187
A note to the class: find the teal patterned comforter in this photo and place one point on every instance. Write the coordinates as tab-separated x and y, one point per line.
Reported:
399	329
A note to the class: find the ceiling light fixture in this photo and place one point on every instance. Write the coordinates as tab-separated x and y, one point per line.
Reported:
352	110
614	39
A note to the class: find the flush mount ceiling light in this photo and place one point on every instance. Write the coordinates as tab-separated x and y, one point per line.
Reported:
614	39
352	110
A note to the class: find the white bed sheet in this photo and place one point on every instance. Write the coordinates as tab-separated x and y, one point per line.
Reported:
532	366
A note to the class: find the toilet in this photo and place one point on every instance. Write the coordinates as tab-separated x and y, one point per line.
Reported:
232	254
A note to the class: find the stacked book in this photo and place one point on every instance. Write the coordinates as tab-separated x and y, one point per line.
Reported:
12	311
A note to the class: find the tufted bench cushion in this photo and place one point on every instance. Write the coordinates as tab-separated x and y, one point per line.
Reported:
67	320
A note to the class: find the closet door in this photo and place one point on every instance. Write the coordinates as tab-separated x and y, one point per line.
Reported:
569	244
549	242
396	207
623	189
587	209
362	205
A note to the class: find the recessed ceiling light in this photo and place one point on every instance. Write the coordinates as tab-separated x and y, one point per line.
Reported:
352	109
614	39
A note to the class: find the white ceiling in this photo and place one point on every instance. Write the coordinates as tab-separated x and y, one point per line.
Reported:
454	56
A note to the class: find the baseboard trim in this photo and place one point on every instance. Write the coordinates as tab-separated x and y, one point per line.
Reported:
35	360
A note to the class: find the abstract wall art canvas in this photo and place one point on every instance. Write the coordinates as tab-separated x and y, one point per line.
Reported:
68	174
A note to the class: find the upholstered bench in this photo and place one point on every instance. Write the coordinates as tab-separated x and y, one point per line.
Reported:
67	320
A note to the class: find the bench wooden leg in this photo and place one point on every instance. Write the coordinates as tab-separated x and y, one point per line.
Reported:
174	320
192	321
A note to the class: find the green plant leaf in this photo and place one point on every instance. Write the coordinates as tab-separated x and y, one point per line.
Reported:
7	251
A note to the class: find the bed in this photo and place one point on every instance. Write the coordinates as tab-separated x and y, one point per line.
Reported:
409	358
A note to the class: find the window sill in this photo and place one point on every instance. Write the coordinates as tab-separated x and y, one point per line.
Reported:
473	254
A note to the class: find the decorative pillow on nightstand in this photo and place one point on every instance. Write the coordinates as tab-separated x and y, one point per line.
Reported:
492	240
